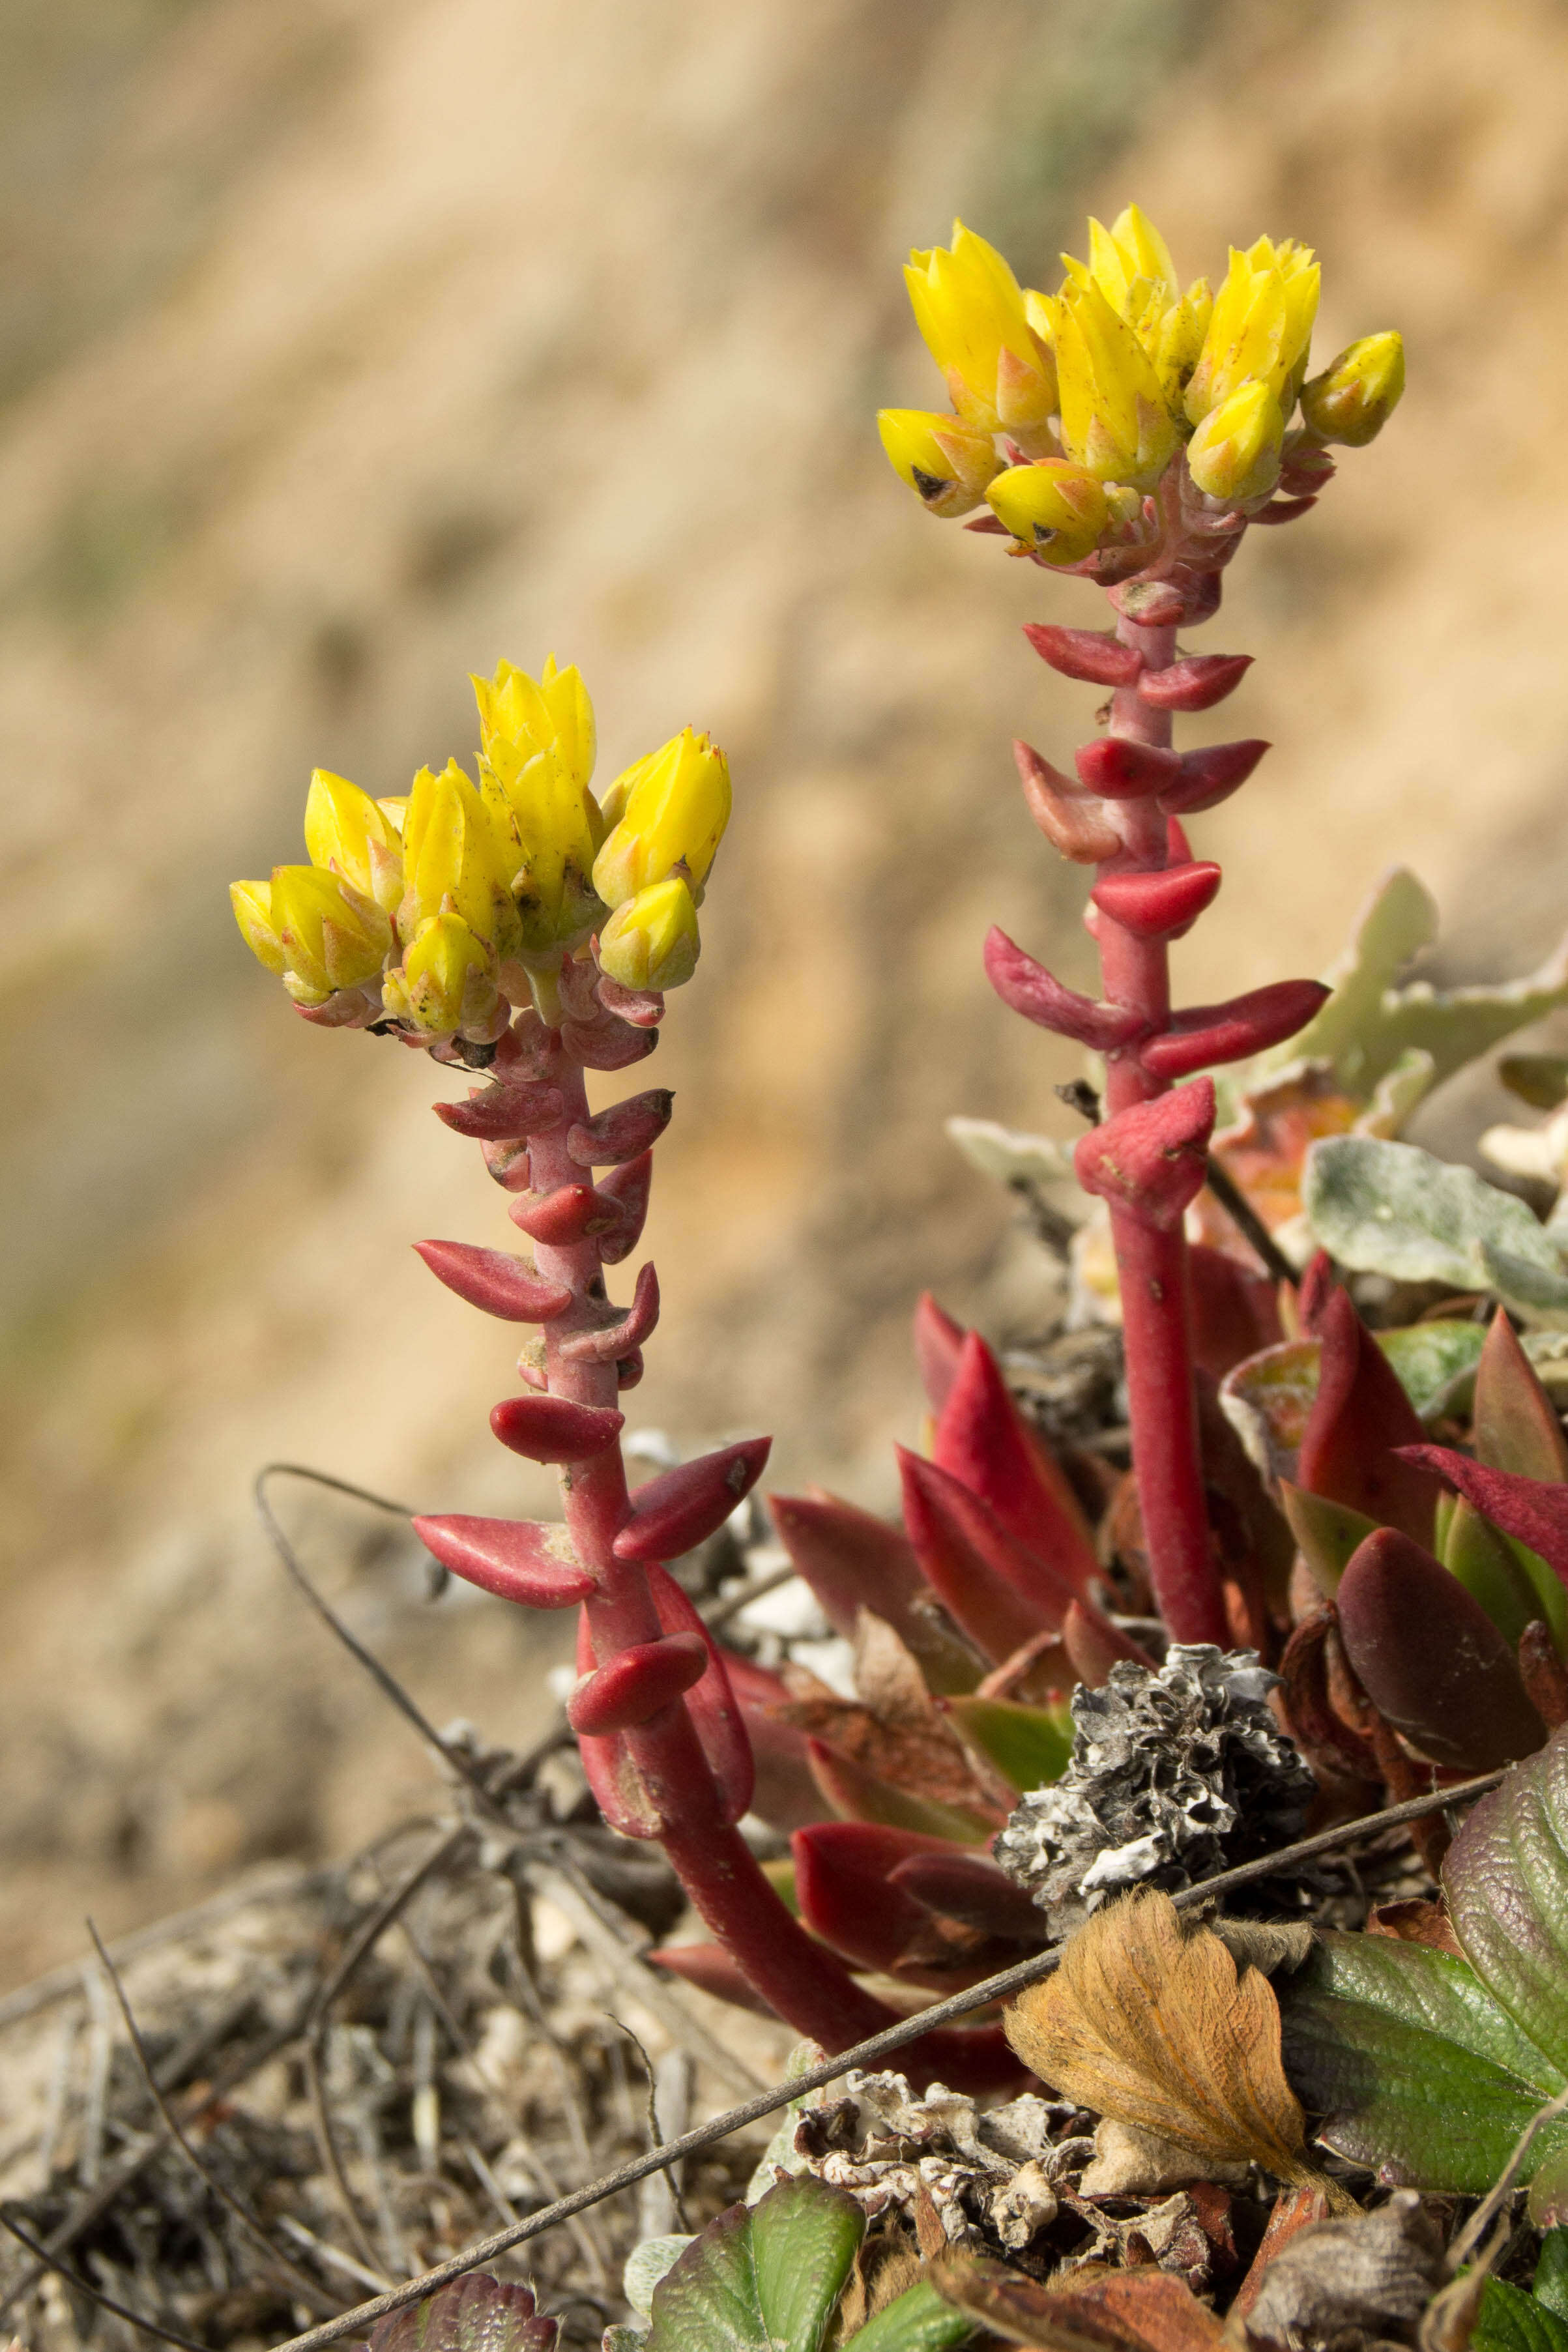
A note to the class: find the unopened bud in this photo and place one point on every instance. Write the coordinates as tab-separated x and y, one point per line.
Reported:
651	941
1235	452
252	904
551	713
344	829
446	981
455	861
330	935
1057	511
970	310
674	807
1357	394
945	461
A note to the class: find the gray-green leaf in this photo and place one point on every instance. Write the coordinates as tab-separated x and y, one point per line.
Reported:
1392	1209
762	2278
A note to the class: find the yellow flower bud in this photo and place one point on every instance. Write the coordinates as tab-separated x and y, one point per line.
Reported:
332	935
1057	511
674	806
651	940
1357	394
970	309
1114	419
1130	263
1261	327
946	462
252	904
454	861
446	981
1177	339
552	713
1235	452
344	829
551	827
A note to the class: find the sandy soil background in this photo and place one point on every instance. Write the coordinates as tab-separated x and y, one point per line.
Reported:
346	345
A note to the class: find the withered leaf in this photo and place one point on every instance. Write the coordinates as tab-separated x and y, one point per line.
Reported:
1373	2271
894	1729
1149	2020
1106	2310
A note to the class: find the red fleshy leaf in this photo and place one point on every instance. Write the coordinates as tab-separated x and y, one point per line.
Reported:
518	1559
612	1343
1514	1425
710	1968
851	1561
1210	775
938	1343
1543	1675
1430	1659
711	1703
1316	1288
1027	987
608	1043
1097	657
963	1887
1354	1448
989	1606
683	1507
623	1132
1071	822
495	1282
1534	1511
1195	683
636	1684
1119	769
981	1439
786	1795
842	1885
502	1114
573	1212
1159	906
1206	1034
554	1428
1151	1158
629	1187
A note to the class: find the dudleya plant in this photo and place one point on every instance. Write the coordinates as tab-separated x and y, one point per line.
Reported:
1144	427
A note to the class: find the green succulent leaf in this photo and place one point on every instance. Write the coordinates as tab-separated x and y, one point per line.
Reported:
761	2278
1028	1745
1511	2321
1394	1210
1417	2070
1436	1363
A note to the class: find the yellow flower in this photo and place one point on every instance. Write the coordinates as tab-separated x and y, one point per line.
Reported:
970	309
1057	509
946	462
1357	394
345	830
454	861
252	904
1260	328
673	807
651	940
1114	419
330	936
1235	452
551	713
446	981
1130	263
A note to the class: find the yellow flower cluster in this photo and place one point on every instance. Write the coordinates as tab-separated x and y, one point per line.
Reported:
1099	388
439	910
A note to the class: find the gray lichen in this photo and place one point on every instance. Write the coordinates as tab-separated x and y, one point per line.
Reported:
1174	1776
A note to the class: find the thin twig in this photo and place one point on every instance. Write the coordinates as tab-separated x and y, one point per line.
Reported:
731	1604
880	2045
311	2288
1242	1214
95	2294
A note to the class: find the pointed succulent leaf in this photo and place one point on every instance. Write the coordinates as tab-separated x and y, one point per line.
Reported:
761	2278
981	1439
1327	1534
1360	1419
1534	1511
1488	1566
1028	1745
853	1560
1515	1425
842	1876
1392	1209
1431	1660
1267	1399
1419	2072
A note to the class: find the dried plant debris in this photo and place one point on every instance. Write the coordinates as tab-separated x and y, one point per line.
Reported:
1359	2275
1175	1775
1149	2021
470	2066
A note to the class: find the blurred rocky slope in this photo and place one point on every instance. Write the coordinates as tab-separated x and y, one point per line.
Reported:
348	346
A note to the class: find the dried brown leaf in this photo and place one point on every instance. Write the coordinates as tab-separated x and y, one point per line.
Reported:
1113	2311
1147	2020
1371	2272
